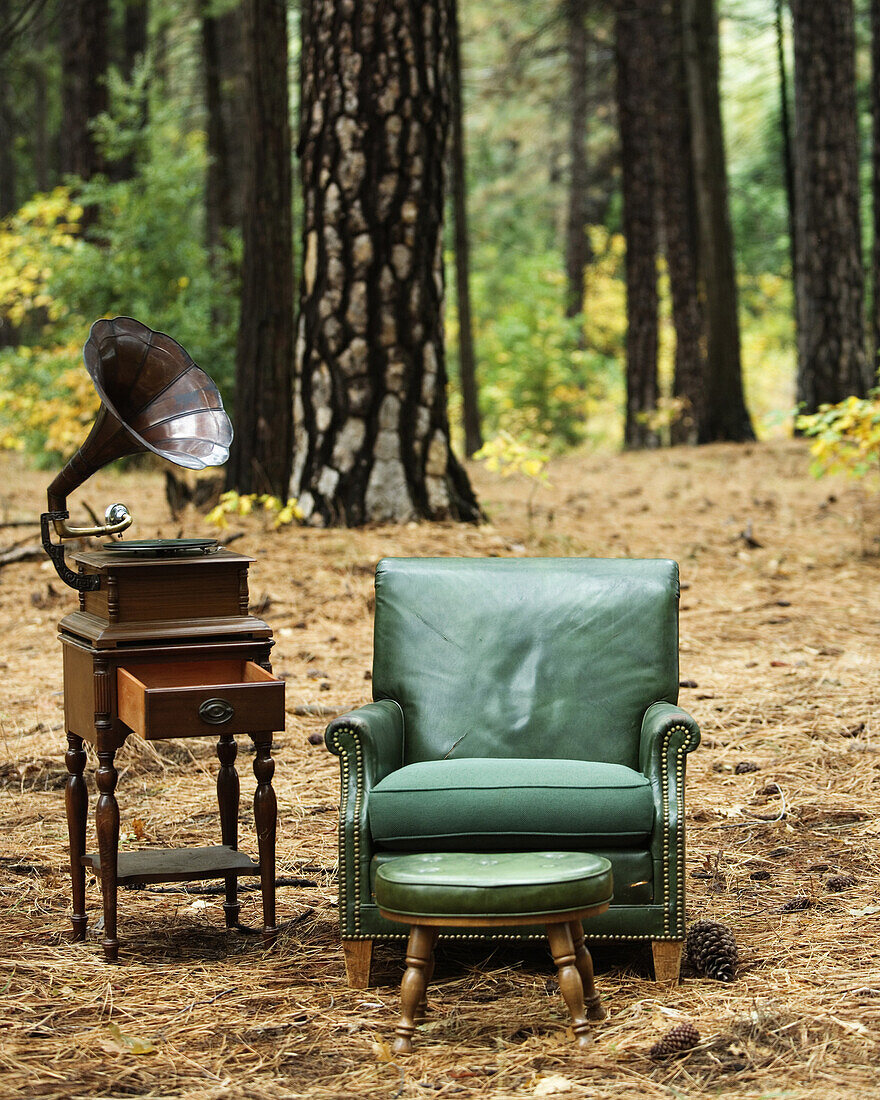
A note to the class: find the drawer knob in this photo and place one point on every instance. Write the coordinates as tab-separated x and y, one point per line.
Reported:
216	711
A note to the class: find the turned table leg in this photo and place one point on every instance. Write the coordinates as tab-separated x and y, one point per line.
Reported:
570	986
76	800
107	825
265	820
228	790
584	963
414	985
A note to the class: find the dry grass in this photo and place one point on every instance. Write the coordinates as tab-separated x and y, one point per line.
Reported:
781	643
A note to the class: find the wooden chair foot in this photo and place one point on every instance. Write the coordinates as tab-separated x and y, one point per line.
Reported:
584	963
358	959
667	960
570	982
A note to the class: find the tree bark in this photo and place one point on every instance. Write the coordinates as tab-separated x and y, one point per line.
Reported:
787	151
224	76
636	73
577	243
831	348
875	185
727	417
467	371
83	26
8	182
678	201
260	456
372	432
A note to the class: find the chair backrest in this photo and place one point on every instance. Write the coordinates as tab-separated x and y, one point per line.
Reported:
525	657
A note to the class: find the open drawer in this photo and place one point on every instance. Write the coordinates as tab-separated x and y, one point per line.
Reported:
198	698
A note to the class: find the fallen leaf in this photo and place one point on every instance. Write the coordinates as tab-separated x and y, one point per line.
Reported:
382	1050
130	1044
553	1086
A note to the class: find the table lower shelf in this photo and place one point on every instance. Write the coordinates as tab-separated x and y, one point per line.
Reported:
177	864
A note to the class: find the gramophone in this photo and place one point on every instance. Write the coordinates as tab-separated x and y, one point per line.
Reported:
163	643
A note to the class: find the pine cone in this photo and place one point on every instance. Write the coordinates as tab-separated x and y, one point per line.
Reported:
711	950
797	905
679	1038
839	882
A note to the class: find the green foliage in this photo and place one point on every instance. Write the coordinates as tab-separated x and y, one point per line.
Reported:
846	437
142	256
509	456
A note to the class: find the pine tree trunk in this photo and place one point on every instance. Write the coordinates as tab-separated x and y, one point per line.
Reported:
218	189
674	159
261	450
577	243
875	184
467	371
134	46
726	415
8	188
635	77
83	26
831	344
787	152
372	432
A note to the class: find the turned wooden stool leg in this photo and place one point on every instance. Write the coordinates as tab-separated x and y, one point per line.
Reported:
413	986
107	827
584	963
76	800
570	986
265	819
228	790
429	974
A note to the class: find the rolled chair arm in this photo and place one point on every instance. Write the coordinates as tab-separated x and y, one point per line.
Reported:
664	727
374	730
369	743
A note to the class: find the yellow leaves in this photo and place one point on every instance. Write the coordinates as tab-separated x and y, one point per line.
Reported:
846	436
508	456
281	514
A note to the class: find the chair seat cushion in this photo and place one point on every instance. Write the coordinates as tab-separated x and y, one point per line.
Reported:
481	804
503	884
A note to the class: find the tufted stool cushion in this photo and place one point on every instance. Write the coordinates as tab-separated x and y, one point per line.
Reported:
492	884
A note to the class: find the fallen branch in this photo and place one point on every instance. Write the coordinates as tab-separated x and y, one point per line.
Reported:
28	552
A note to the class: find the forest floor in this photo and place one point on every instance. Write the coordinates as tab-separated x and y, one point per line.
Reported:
780	648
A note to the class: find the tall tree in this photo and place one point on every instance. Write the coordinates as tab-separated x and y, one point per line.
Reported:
260	456
787	150
831	350
83	30
577	243
678	201
875	183
372	432
726	415
636	73
467	368
224	76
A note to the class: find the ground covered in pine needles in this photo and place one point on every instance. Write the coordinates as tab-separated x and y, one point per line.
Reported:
780	655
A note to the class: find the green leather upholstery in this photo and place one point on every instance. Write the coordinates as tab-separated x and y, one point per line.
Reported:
479	804
479	663
531	657
502	884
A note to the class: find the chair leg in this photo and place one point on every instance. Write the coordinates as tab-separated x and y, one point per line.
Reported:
358	958
584	963
570	985
422	1011
414	985
667	960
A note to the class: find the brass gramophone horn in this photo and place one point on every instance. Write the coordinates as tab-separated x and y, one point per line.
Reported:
153	398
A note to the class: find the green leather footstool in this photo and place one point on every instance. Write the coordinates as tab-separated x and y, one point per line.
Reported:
497	889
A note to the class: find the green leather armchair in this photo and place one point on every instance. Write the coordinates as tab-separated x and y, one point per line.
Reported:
520	704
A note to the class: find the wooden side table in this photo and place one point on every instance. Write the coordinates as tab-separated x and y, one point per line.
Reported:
165	647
